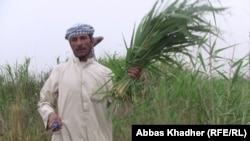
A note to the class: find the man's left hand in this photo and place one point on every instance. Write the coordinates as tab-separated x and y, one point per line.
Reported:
134	72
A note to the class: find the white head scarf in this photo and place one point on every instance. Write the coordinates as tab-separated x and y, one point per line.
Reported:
79	29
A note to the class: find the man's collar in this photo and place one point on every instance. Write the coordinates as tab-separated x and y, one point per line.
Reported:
83	63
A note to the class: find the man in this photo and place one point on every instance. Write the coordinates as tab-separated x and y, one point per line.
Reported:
72	87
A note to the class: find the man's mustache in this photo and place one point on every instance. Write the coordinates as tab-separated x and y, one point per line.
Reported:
80	48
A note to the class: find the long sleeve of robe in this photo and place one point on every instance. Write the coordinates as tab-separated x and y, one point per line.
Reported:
75	88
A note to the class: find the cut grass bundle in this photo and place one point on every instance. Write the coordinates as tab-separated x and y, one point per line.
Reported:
164	30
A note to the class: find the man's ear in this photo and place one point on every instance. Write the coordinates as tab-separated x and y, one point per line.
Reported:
92	42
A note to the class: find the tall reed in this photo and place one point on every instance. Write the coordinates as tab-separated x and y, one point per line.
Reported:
166	30
19	90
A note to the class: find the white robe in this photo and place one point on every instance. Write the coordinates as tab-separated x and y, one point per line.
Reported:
71	86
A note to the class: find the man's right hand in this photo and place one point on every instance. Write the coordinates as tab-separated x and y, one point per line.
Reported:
53	118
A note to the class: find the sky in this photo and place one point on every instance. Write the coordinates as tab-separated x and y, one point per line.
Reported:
35	29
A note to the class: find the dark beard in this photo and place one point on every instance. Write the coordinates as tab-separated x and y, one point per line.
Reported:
85	57
82	57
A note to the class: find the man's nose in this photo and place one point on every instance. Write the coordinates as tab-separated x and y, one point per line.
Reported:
78	42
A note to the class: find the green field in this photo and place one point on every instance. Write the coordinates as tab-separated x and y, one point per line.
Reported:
179	95
186	81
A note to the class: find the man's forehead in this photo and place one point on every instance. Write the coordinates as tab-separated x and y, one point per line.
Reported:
79	36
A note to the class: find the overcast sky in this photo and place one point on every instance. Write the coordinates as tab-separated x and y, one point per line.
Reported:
36	28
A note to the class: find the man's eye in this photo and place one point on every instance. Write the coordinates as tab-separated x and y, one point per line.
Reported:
73	39
83	38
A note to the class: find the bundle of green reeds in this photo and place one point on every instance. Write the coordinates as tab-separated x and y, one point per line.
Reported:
165	29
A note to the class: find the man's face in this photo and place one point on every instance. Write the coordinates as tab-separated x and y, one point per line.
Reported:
81	46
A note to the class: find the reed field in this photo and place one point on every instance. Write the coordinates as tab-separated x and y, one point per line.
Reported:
184	79
182	95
